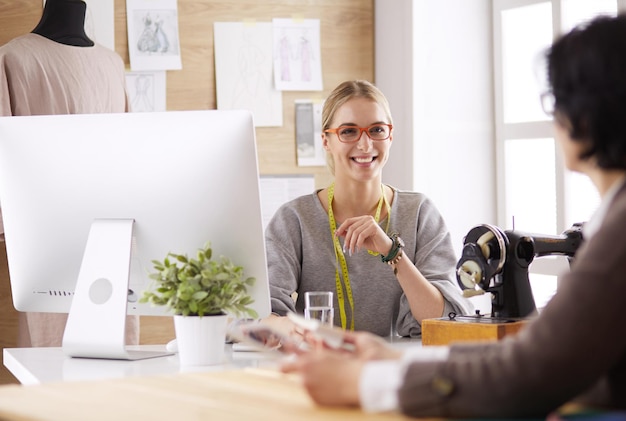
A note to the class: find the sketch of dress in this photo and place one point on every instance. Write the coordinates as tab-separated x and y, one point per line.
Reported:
296	55
250	90
160	36
142	100
306	56
285	58
147	42
153	39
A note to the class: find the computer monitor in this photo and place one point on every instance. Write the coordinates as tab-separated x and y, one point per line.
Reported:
181	178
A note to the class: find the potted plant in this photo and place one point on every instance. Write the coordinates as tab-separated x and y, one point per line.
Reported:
201	293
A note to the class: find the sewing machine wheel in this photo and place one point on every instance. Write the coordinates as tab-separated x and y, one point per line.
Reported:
484	254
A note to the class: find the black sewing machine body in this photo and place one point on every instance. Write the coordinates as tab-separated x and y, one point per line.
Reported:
497	262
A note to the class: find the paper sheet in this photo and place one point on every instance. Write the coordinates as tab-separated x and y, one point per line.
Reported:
243	71
277	190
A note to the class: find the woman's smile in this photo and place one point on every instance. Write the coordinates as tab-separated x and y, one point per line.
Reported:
364	159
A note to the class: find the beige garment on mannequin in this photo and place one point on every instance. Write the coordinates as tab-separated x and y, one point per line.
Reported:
42	77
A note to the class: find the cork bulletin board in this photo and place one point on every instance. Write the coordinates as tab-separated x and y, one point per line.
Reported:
347	46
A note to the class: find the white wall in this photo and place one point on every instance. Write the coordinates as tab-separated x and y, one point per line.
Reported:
393	72
434	63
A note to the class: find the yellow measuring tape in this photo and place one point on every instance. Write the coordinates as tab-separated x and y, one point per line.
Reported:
340	258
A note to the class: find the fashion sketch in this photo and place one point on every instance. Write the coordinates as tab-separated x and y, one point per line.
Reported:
297	64
146	91
153	38
243	71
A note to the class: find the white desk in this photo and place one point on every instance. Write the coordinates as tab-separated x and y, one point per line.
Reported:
47	365
245	387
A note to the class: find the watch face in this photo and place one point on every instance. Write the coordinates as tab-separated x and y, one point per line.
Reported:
400	242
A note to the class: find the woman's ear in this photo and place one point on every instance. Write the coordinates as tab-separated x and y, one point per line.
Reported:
325	141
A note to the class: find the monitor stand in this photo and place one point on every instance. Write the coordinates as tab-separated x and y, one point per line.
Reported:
96	324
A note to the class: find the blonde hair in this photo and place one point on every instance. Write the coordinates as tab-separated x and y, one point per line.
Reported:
345	92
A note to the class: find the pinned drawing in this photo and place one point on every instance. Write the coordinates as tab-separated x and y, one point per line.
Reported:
309	148
276	190
243	71
153	38
146	91
297	55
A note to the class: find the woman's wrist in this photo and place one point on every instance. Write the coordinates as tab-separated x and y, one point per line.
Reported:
395	252
387	248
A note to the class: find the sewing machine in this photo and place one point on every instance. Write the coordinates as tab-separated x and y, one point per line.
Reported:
496	262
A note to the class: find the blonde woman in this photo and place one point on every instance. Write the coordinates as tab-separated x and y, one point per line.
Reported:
385	253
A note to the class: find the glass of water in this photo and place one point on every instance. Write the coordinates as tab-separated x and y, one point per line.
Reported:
318	305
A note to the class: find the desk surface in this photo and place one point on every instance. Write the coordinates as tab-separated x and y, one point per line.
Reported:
245	394
46	365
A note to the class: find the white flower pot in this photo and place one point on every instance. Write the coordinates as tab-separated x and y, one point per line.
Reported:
200	340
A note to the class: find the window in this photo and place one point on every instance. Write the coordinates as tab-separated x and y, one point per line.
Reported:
535	193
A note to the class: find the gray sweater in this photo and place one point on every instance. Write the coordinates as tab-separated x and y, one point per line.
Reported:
301	258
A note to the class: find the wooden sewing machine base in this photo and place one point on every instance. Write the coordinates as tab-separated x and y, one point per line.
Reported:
444	331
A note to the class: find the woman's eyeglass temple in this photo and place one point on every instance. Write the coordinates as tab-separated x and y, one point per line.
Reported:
351	134
547	102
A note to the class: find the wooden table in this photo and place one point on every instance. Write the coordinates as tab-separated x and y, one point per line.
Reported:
249	394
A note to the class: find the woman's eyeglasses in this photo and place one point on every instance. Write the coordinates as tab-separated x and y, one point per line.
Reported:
351	134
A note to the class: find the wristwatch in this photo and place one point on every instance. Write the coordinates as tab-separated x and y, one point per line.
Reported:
395	253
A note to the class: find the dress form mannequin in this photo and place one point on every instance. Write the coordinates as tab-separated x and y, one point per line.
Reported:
63	21
57	69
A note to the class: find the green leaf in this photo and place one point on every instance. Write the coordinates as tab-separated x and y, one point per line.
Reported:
200	286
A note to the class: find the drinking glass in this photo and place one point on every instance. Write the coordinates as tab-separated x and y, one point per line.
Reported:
318	305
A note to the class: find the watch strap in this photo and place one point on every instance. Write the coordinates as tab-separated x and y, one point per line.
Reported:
395	253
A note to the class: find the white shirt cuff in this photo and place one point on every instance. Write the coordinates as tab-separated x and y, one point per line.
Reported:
417	354
379	384
381	380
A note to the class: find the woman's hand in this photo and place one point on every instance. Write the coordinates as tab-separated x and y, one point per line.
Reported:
295	339
363	232
368	346
330	377
280	324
